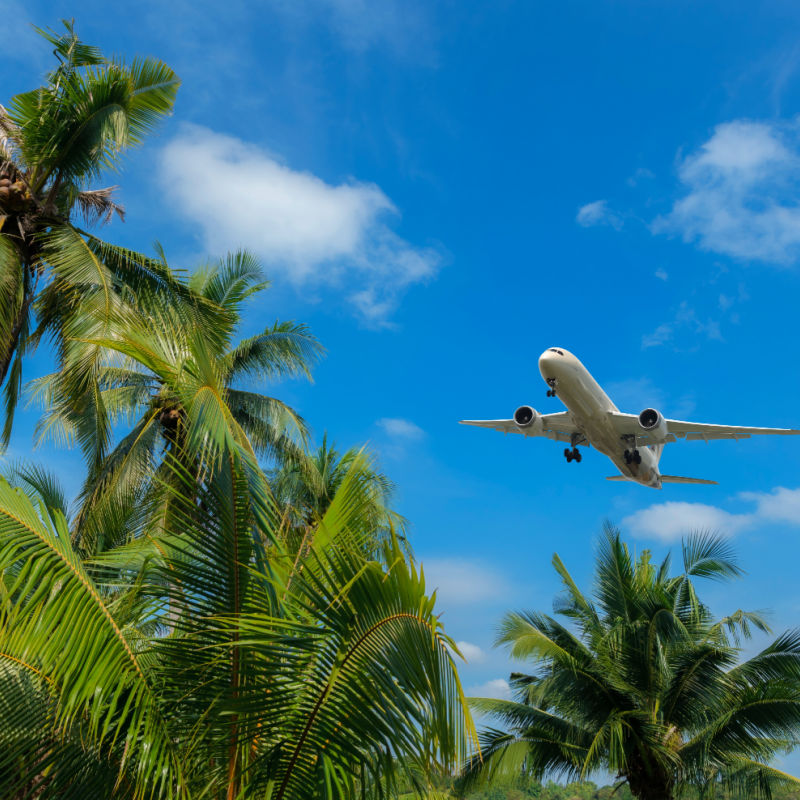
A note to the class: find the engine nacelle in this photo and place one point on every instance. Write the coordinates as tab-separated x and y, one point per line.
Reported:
651	420
526	417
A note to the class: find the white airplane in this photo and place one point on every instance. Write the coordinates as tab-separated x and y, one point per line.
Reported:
592	419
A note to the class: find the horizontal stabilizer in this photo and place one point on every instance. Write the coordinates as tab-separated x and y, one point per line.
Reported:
679	479
666	479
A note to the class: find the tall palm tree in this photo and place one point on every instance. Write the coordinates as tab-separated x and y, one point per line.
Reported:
327	678
187	392
643	682
55	142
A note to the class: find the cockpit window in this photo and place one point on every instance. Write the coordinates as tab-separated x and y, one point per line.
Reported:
556	350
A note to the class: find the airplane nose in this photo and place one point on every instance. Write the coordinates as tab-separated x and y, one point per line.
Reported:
545	360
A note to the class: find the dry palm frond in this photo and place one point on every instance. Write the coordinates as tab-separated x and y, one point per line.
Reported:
8	135
96	205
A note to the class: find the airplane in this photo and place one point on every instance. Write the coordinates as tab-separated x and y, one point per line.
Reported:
633	442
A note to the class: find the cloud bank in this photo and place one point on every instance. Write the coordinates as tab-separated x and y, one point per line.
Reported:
740	195
310	231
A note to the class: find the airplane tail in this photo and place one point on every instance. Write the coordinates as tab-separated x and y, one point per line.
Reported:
666	479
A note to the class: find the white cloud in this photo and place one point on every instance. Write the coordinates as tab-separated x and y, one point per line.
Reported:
741	190
399	428
661	274
779	505
670	521
497	688
311	231
598	213
471	652
460	582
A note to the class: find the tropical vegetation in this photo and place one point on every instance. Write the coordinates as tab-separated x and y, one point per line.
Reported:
222	613
641	681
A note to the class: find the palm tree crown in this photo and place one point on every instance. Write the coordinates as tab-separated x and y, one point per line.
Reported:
185	387
55	141
643	682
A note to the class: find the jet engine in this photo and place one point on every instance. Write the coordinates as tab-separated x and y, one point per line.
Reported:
652	421
525	416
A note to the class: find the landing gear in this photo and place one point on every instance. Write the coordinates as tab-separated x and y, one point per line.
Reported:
633	457
551	382
572	455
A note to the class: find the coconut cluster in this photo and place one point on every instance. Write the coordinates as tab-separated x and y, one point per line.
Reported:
14	195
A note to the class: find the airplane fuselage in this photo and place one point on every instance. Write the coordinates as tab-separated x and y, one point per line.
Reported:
590	408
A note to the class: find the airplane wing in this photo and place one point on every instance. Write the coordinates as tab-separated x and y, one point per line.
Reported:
558	427
628	425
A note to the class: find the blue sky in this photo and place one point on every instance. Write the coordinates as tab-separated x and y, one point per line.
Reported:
444	189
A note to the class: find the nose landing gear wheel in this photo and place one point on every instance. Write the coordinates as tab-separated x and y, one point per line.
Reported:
551	382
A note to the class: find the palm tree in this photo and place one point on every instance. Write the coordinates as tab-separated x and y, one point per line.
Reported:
327	678
306	486
186	389
55	142
643	682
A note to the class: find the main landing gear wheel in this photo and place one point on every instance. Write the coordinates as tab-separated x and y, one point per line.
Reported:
633	457
572	455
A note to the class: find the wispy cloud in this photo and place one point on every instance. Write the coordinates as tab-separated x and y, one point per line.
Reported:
668	522
315	233
399	428
17	26
661	274
598	213
634	394
740	193
685	319
461	582
641	174
359	25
